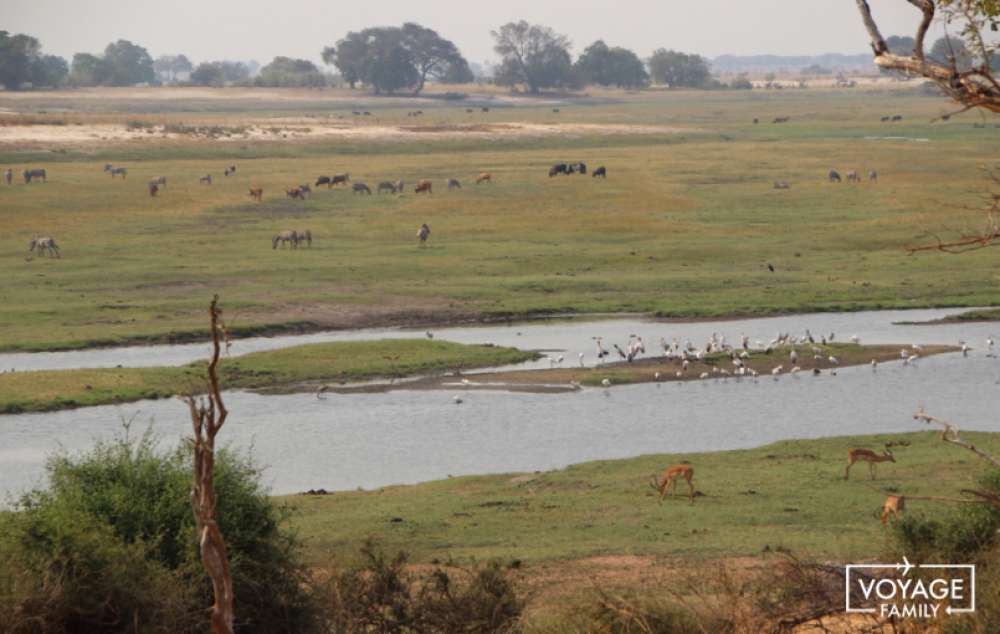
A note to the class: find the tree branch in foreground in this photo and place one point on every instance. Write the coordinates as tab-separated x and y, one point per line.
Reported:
208	415
975	87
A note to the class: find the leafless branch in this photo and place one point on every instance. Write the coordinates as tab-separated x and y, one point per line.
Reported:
975	87
208	415
951	435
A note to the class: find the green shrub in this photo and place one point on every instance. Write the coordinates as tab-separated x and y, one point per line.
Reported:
380	596
115	529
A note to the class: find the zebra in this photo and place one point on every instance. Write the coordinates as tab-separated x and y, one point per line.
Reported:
108	167
43	245
388	186
229	170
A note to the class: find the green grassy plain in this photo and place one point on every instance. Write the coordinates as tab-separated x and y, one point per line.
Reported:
349	361
791	494
684	225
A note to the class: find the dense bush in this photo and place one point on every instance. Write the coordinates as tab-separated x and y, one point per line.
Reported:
110	546
380	596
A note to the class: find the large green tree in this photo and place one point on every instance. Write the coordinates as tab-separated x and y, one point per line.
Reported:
167	67
22	62
128	64
532	55
288	72
679	70
393	58
600	64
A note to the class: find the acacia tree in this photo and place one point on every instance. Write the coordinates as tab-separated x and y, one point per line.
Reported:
533	55
972	87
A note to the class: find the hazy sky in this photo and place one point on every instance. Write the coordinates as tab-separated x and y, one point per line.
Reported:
260	29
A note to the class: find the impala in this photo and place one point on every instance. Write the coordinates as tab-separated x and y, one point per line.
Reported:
670	476
868	456
894	505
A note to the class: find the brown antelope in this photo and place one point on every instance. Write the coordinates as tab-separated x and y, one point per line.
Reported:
422	187
257	193
670	476
485	177
869	456
894	505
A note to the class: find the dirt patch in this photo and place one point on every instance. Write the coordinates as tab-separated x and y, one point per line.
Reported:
27	136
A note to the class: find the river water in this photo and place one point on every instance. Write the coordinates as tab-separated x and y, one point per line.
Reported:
345	441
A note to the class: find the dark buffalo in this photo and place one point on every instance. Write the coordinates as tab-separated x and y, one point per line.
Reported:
340	179
361	188
600	171
34	173
834	176
324	180
558	168
387	186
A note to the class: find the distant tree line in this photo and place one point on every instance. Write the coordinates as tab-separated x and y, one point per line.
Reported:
389	60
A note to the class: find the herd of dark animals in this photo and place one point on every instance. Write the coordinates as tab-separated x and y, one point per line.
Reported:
834	177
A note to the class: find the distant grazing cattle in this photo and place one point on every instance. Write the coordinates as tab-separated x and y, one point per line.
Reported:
305	189
153	188
386	186
897	117
229	170
781	185
555	110
834	176
205	180
295	192
485	109
886	118
43	245
423	233
484	177
579	168
324	180
756	120
8	176
600	171
286	237
469	110
873	176
160	180
257	193
852	177
423	186
34	174
781	120
340	179
454	184
361	188
558	168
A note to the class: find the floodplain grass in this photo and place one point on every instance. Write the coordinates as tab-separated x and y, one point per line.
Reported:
340	362
684	226
787	495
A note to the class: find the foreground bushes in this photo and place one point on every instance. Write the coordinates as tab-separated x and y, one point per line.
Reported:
110	546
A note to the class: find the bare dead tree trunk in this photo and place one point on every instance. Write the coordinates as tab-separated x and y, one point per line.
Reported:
208	414
973	88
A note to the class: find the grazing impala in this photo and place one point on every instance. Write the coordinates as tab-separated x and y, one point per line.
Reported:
670	476
485	177
257	193
894	505
869	456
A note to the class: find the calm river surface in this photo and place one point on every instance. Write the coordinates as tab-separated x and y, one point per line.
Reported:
407	436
